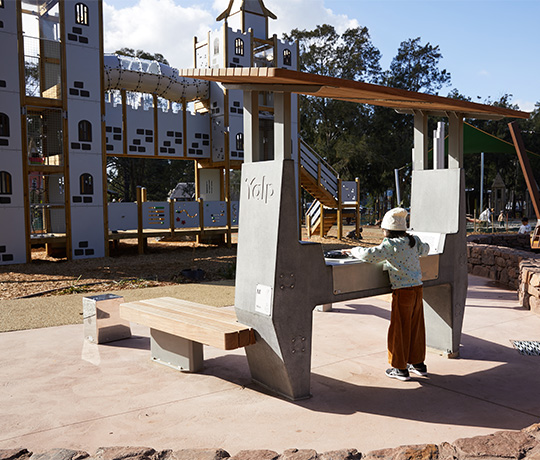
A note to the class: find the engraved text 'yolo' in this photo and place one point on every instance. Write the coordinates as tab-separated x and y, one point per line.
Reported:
259	189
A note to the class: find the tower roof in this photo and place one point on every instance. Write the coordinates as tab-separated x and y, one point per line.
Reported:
248	6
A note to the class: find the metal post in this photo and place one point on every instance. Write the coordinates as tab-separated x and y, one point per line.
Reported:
339	211
251	126
398	191
481	181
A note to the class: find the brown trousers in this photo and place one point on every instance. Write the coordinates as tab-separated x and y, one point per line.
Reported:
407	332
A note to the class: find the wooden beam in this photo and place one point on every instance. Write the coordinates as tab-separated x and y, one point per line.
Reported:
532	186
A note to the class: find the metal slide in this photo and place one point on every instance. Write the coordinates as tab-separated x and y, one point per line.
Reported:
145	76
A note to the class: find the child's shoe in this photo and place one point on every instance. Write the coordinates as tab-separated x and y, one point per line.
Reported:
418	369
400	374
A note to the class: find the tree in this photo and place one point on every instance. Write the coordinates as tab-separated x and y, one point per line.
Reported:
359	140
142	55
329	125
415	68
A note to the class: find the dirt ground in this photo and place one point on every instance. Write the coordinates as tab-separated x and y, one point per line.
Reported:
162	265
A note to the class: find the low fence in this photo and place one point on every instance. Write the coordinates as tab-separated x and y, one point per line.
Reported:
507	259
167	215
144	219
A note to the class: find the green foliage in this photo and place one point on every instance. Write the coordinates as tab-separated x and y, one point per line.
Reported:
142	55
415	68
159	177
359	140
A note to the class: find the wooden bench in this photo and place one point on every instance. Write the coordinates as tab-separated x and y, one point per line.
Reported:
178	330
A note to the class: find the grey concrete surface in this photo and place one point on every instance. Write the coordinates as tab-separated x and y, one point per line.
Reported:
56	390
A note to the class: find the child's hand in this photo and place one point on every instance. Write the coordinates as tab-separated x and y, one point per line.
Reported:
346	251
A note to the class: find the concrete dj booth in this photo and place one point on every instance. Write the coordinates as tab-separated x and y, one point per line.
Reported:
281	279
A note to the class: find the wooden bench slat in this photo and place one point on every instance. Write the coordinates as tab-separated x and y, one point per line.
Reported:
218	323
183	327
199	309
222	334
211	309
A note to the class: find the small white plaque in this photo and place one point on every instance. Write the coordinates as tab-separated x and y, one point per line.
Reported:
263	300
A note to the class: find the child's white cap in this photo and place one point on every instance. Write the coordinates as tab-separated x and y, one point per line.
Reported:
395	219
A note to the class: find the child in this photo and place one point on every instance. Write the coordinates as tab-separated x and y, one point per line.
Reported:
400	252
525	227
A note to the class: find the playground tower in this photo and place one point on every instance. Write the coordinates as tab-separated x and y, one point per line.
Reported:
51	106
65	107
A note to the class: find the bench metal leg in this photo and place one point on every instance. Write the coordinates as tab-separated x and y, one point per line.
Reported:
176	352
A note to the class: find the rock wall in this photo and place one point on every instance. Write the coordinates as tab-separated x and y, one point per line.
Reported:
508	260
503	445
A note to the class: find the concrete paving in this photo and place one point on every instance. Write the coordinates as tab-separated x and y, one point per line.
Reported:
57	390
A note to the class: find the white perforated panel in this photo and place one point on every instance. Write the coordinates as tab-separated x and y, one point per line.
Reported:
215	214
8	18
198	135
87	233
122	216
80	114
186	214
9	70
239	49
156	215
10	107
140	131
82	35
12	179
113	128
12	237
170	135
85	178
83	73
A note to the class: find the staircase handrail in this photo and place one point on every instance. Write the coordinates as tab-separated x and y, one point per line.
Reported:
312	161
314	210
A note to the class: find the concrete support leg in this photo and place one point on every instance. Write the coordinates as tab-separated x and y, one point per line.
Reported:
176	352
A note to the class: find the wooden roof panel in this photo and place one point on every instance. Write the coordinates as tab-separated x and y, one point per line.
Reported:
348	90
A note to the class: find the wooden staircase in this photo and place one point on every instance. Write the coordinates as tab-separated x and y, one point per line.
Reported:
322	182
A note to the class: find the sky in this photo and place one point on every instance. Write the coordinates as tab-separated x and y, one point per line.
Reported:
490	47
